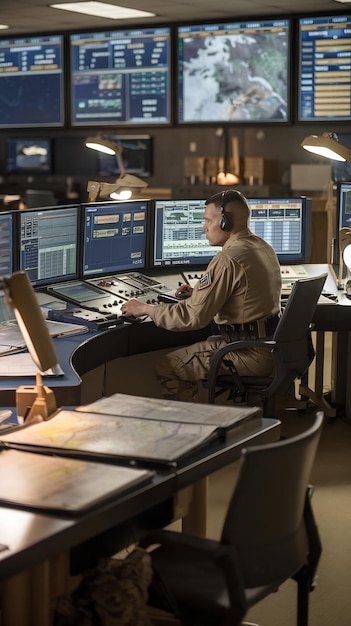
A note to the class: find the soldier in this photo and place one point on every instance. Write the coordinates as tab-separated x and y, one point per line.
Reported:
240	291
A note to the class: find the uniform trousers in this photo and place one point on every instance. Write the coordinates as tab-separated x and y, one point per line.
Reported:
181	371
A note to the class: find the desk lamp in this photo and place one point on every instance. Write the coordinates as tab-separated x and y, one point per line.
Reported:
19	295
327	145
122	188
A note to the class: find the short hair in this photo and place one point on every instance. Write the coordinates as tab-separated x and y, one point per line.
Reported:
223	197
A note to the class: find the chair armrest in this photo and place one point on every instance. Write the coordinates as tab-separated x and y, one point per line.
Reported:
233	346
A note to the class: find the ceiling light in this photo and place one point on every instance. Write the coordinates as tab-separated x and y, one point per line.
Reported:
327	145
102	9
4	26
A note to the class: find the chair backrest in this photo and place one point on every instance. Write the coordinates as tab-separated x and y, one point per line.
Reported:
265	517
294	350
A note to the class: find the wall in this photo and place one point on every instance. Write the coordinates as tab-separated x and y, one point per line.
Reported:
170	146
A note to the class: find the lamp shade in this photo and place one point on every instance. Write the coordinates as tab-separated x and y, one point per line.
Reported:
327	145
20	296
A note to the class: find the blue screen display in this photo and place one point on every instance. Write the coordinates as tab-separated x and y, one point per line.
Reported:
31	82
114	237
324	68
121	76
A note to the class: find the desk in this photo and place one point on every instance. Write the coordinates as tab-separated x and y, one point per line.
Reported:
34	541
87	355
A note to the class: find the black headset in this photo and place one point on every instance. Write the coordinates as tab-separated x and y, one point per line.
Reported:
227	221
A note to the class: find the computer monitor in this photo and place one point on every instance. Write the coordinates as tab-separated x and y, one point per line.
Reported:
285	223
343	205
136	156
114	237
31	82
179	238
28	156
7	246
234	72
121	77
49	243
324	81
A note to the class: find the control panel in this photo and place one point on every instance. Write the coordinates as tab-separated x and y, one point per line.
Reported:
131	285
88	296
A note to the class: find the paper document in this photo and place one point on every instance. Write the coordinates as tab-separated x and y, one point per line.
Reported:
21	364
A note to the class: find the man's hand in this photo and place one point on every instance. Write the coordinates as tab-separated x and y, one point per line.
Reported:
136	308
184	291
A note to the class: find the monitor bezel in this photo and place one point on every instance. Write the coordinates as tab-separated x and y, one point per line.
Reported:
30	40
306	231
240	122
11	216
116	269
33	171
43	282
118	123
298	117
173	266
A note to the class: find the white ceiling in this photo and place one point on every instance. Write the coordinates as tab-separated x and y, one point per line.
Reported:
35	16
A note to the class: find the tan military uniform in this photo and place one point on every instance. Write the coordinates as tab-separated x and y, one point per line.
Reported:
242	284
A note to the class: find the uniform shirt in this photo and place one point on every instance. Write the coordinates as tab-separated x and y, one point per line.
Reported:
242	284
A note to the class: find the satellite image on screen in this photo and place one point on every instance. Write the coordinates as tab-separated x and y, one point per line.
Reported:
234	74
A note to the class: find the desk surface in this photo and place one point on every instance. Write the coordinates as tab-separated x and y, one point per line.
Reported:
31	538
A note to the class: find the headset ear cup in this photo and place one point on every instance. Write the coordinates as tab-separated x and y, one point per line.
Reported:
226	222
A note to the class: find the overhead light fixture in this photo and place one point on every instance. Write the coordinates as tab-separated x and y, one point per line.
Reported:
4	26
124	186
102	9
327	145
32	402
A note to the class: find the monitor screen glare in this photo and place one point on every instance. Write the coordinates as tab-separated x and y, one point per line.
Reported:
114	237
285	223
235	72
31	82
121	77
179	238
49	244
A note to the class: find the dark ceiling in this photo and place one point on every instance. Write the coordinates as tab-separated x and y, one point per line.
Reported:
35	16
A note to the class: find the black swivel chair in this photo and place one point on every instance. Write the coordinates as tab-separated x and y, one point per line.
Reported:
291	346
269	536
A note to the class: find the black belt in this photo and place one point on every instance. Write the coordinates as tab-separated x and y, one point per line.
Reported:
250	330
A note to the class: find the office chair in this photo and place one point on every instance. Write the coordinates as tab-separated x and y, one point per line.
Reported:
291	346
269	536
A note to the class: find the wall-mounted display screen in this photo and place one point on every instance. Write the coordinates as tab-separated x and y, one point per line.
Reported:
28	156
136	156
286	224
114	236
236	72
324	68
31	82
6	244
49	243
121	77
179	238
